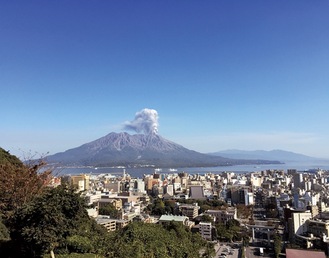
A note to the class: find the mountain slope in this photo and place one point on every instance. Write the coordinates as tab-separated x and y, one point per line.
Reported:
6	157
123	149
281	155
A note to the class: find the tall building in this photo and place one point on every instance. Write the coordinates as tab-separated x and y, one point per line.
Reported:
248	197
298	179
140	186
297	222
169	189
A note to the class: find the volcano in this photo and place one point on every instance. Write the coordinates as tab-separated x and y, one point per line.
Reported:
140	150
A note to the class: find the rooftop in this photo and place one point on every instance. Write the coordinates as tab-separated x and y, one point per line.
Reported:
173	218
295	253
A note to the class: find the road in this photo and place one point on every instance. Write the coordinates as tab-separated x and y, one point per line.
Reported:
251	252
224	249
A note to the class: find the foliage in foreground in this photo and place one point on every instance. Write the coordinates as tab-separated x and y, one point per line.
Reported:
55	221
19	182
153	240
39	220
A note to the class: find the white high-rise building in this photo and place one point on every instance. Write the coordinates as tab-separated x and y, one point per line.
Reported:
169	189
248	198
299	219
140	186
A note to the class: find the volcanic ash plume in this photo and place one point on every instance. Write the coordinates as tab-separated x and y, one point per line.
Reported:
146	121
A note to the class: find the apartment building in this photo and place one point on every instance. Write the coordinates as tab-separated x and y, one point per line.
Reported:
205	229
189	210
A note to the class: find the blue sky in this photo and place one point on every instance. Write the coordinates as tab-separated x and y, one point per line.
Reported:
221	74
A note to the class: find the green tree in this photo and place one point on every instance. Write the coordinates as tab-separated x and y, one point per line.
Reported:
52	221
157	207
154	240
245	239
170	206
229	231
204	207
244	211
220	229
19	183
209	250
4	232
277	244
110	210
206	218
232	223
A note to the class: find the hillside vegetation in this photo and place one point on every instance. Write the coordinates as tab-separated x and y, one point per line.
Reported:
6	157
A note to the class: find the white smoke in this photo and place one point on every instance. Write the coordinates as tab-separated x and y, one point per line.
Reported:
146	121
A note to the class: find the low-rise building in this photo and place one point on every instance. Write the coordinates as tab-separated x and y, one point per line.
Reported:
107	222
223	215
318	227
189	210
168	218
295	253
205	229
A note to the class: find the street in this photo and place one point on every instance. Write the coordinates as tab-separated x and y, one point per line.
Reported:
224	250
252	252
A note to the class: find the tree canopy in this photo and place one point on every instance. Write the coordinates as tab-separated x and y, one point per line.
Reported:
110	210
56	219
156	241
229	231
39	219
19	182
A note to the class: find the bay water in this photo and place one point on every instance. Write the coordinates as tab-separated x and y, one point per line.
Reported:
308	166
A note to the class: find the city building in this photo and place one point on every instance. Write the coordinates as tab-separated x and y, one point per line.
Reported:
205	229
189	210
107	222
296	253
168	218
81	182
223	216
196	192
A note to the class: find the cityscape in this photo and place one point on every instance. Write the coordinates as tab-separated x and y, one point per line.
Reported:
164	129
270	213
291	204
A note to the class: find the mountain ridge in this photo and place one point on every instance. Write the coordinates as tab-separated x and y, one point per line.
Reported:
277	154
123	149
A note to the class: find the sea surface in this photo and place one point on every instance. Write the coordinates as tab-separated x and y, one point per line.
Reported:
139	172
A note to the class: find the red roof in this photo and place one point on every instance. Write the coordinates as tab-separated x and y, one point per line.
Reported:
295	253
